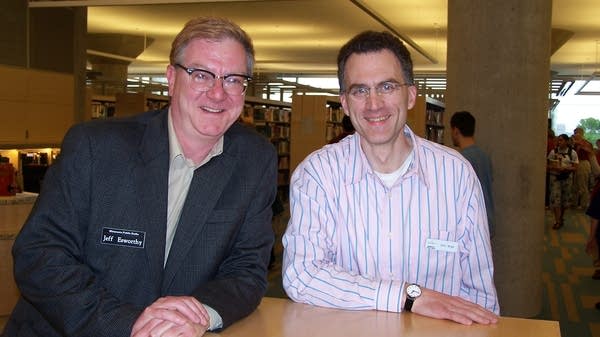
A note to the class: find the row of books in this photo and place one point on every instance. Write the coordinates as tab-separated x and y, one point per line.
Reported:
332	131
434	117
102	109
335	114
283	147
274	131
284	163
435	134
271	114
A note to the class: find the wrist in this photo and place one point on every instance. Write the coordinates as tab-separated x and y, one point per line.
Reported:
412	293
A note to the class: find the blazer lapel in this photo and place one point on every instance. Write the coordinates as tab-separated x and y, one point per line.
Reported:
205	190
152	183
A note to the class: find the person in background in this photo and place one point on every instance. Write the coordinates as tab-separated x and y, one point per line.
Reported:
462	124
583	181
384	219
158	224
592	247
347	129
550	145
551	141
597	150
562	161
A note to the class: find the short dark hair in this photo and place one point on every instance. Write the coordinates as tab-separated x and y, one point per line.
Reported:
347	124
464	122
370	42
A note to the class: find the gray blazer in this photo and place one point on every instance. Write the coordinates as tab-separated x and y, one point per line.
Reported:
111	179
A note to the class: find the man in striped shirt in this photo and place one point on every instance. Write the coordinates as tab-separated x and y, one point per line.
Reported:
384	219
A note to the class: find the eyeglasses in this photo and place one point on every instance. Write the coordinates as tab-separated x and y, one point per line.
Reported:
361	92
204	80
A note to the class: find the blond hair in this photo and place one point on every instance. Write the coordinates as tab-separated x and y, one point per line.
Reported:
211	28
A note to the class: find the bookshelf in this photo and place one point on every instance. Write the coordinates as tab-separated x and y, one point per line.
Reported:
102	106
333	124
316	119
426	119
131	103
272	119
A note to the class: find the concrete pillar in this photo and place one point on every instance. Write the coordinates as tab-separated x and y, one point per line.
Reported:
498	68
48	39
57	43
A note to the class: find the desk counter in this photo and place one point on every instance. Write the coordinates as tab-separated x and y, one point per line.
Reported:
283	318
14	210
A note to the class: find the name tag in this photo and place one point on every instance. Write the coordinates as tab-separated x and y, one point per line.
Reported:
122	237
440	245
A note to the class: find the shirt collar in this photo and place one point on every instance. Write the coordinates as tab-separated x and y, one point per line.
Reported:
176	151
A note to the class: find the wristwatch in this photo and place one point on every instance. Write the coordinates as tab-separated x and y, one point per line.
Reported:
413	291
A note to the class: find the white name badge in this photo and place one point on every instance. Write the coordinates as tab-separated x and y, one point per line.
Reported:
444	246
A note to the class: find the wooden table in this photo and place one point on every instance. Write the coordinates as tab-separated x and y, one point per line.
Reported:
277	317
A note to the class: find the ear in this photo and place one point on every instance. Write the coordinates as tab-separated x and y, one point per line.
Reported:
344	104
171	76
412	96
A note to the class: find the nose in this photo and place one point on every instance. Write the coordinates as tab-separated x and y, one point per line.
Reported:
217	92
373	100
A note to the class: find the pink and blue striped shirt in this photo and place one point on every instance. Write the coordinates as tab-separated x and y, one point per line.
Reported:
352	242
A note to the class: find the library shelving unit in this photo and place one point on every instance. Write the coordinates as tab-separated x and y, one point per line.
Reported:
426	119
315	120
38	106
102	106
272	119
335	113
130	103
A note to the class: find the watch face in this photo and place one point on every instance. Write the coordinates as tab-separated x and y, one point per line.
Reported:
413	290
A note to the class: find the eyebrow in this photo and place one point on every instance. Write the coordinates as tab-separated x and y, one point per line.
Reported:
390	80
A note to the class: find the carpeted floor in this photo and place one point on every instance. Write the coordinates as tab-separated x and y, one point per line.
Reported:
570	293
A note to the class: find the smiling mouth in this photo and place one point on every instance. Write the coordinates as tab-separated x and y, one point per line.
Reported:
211	110
377	119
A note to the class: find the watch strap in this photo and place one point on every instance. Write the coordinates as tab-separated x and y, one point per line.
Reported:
408	303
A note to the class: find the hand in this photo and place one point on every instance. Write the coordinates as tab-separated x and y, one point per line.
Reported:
441	306
172	316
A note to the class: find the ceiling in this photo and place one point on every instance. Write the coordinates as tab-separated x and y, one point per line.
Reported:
303	36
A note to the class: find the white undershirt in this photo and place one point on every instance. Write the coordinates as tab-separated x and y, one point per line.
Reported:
390	178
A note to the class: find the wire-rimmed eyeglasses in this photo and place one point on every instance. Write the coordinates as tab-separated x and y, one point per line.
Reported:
204	80
361	92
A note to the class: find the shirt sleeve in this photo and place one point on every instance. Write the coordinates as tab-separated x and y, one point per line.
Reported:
311	273
574	157
477	284
216	322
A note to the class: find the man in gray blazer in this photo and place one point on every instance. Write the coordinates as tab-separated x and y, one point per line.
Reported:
158	224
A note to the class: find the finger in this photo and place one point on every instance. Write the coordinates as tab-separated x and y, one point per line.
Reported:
190	329
188	306
145	329
198	310
466	312
144	320
162	329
